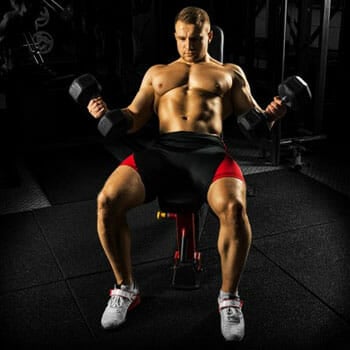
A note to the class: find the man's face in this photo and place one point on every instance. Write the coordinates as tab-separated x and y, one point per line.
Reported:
192	41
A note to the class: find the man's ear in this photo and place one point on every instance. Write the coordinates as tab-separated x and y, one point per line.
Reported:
210	35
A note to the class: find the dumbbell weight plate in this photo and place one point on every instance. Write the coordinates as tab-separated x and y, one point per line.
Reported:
84	88
295	92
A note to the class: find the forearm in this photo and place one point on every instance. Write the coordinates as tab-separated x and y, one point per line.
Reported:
135	124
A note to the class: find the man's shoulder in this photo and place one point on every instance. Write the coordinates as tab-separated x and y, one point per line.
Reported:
155	68
158	65
235	70
233	66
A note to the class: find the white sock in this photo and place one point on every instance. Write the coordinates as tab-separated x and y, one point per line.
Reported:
228	295
129	287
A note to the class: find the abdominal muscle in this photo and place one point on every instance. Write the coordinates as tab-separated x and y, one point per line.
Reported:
193	110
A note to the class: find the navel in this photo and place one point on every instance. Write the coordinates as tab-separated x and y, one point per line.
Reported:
184	117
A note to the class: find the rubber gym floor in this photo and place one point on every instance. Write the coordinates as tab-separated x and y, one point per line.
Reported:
55	278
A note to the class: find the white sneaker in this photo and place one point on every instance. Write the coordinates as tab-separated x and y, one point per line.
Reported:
120	302
232	320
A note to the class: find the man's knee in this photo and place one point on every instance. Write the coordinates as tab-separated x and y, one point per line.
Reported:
103	204
234	222
102	200
120	197
229	209
107	202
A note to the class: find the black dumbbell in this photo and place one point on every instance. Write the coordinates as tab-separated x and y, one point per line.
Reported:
293	91
85	88
113	123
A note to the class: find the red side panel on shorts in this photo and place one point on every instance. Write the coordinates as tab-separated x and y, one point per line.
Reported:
129	161
228	168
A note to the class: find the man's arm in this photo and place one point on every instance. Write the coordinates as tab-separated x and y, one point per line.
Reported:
243	100
141	107
139	110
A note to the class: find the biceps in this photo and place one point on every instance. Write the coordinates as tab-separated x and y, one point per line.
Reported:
142	104
243	100
141	108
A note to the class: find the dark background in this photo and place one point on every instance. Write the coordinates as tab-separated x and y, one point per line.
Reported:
118	42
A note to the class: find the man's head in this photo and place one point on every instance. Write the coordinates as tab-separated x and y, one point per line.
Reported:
192	34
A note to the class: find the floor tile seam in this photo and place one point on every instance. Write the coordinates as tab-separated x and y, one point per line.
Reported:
295	229
50	247
302	285
336	188
70	291
81	310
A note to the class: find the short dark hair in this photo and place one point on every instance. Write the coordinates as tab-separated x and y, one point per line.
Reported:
193	15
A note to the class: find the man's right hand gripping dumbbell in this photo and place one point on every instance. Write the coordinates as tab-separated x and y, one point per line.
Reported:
86	91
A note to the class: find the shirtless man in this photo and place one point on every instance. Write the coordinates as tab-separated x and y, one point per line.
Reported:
191	97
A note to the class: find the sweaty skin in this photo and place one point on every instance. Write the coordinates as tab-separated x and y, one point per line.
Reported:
193	93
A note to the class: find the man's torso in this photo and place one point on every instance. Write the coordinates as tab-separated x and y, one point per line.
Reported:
192	97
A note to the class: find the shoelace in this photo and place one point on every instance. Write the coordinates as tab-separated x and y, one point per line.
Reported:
118	297
116	302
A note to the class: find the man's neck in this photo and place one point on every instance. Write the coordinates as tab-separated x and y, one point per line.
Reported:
205	58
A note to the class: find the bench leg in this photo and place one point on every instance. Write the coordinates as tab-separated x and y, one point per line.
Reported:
187	258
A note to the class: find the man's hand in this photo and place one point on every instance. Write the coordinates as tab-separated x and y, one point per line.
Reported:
97	107
276	109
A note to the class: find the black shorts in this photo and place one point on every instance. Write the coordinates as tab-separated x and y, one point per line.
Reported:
180	160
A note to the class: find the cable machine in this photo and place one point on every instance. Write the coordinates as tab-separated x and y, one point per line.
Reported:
278	19
278	52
